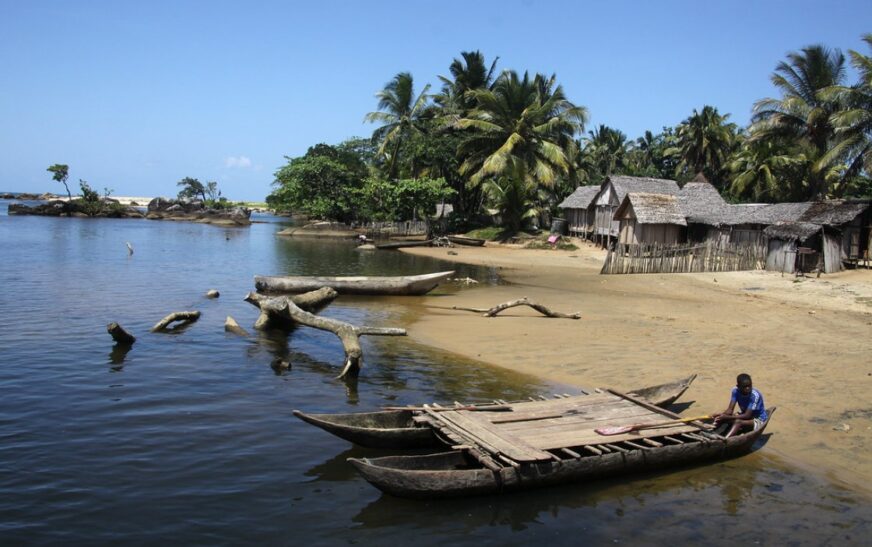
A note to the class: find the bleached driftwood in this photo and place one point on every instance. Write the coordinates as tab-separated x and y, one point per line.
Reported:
272	316
230	325
182	316
289	310
120	335
492	312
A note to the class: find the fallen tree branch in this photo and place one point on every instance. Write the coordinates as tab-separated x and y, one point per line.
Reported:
183	316
230	325
120	335
289	311
492	312
271	315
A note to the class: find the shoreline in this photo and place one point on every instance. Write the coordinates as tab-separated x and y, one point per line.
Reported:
805	341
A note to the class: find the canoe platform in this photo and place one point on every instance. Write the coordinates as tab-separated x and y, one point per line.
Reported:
548	430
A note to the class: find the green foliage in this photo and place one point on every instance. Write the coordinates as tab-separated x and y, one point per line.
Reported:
705	143
512	196
60	172
403	199
191	189
322	184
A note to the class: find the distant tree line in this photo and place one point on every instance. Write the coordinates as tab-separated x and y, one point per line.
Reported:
514	144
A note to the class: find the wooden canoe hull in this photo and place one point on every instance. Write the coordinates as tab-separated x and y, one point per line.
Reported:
406	285
396	429
403	244
387	429
468	241
453	474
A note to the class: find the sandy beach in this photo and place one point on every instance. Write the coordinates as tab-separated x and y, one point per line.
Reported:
807	342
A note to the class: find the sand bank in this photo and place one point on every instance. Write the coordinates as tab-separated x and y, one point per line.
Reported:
807	342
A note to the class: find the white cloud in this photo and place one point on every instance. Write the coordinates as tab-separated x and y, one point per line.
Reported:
243	162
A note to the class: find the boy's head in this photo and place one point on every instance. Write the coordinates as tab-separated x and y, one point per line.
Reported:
743	382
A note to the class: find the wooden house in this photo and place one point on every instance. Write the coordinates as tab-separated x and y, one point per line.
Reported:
650	218
612	193
578	211
826	234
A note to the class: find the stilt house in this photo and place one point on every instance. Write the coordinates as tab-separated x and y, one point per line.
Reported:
612	193
650	218
578	211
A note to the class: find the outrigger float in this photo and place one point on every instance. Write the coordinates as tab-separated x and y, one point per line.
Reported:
515	446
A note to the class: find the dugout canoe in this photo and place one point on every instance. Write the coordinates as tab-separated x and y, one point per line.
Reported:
468	470
405	285
398	429
469	241
403	244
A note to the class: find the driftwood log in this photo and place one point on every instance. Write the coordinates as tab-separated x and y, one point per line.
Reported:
272	317
181	316
230	325
120	335
492	312
288	310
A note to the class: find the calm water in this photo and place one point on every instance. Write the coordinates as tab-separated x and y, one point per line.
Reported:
189	437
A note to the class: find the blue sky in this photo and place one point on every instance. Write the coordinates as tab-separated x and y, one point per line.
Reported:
134	96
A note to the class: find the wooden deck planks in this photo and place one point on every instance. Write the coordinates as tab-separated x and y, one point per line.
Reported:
492	441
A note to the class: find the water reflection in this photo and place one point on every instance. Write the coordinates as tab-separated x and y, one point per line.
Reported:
117	355
699	503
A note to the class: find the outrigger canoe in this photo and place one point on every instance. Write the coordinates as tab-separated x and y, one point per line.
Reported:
494	453
403	429
403	244
405	285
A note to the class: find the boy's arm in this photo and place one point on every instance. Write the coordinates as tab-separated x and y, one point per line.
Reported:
728	413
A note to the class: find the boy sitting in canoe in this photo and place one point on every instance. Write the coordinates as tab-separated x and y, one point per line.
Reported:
752	412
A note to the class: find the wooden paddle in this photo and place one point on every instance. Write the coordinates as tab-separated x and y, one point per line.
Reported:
617	430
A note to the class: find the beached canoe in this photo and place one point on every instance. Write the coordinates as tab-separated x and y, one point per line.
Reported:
398	429
372	285
469	241
393	245
490	463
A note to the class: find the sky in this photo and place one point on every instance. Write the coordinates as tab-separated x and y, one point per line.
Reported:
135	96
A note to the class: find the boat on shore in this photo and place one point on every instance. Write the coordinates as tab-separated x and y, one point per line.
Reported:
405	285
402	428
468	472
468	241
603	434
393	245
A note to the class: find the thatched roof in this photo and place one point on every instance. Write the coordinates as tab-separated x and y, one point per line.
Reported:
833	213
581	198
652	208
792	231
701	201
624	185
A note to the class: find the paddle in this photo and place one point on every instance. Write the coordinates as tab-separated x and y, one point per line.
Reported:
617	430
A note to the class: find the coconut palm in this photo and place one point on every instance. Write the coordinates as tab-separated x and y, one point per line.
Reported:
804	113
604	153
705	141
853	124
399	110
467	75
522	125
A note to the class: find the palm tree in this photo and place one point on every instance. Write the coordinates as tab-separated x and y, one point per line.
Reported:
467	75
705	141
804	114
399	110
853	125
522	125
604	153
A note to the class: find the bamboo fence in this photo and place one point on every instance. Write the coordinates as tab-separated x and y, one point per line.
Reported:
684	258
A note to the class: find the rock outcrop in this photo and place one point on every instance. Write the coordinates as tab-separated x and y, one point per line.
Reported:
196	211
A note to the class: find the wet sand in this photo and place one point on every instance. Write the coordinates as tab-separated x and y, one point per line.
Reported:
807	342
